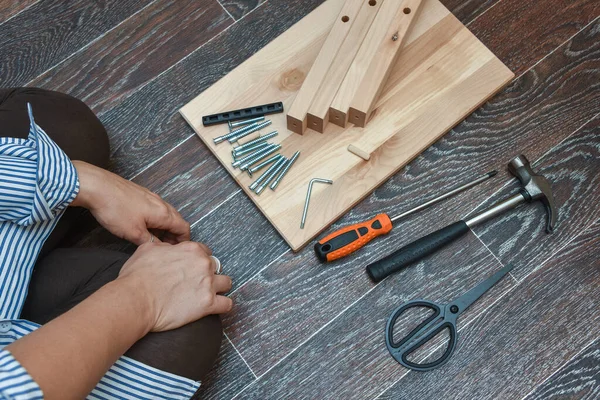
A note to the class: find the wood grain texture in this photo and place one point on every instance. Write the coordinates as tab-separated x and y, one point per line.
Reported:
141	132
524	337
348	359
516	121
468	10
228	377
239	8
137	51
561	20
454	79
10	8
578	379
50	31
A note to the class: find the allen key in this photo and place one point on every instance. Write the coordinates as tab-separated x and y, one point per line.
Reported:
310	185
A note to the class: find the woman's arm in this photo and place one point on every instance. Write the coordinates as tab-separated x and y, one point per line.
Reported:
161	287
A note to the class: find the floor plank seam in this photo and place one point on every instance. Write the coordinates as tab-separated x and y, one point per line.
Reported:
91	42
261	270
25	9
483	12
224	9
583	350
160	158
558	47
240	355
215	208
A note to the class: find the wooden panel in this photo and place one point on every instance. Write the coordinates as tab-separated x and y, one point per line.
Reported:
578	379
348	359
523	338
261	80
387	50
10	8
141	48
340	26
229	376
50	31
318	113
572	167
239	8
514	121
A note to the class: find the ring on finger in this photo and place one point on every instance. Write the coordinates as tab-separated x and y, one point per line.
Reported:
218	267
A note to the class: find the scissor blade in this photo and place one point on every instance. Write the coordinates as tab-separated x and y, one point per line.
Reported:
465	301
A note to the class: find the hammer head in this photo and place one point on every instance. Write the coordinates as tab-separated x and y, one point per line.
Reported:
535	188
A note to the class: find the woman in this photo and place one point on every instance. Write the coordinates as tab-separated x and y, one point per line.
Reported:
96	323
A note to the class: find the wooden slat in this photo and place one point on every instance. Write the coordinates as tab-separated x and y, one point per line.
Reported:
578	379
341	25
380	67
114	67
348	359
513	122
471	75
318	113
572	167
523	338
48	32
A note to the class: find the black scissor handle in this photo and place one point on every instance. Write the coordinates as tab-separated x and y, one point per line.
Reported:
422	334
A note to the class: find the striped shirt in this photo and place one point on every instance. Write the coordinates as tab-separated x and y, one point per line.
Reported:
37	184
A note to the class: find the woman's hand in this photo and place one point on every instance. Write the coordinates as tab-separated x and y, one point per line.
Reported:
177	284
126	209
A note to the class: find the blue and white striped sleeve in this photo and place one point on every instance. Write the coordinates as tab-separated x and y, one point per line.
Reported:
37	179
15	382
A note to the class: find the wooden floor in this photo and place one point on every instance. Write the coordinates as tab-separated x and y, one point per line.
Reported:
301	330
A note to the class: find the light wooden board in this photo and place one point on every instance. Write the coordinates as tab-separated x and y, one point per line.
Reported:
442	75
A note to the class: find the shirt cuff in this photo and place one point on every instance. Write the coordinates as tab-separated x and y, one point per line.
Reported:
15	382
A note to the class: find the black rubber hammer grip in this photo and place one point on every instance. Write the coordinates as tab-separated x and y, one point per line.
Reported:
415	251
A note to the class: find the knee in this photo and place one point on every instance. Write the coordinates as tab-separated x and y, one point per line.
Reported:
67	120
189	351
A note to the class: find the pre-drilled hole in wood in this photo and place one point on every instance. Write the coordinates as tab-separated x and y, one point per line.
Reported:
407	10
336	117
345	18
372	3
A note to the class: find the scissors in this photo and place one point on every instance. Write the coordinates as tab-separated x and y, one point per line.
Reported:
443	317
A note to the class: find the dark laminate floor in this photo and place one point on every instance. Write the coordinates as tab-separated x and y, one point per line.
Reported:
304	331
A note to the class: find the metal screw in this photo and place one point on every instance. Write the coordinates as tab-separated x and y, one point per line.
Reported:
240	131
252	156
248	150
310	185
260	156
260	139
395	37
262	187
235	138
263	164
267	173
287	167
245	122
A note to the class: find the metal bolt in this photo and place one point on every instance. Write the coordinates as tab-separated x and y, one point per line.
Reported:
235	138
395	37
251	156
310	185
240	131
285	170
245	122
248	150
275	172
259	157
263	164
268	172
260	139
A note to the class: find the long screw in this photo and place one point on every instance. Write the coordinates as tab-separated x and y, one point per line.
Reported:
235	138
245	122
266	182
252	156
240	131
263	164
261	155
287	167
249	150
260	139
267	173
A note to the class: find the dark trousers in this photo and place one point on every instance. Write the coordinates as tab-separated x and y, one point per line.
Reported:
63	277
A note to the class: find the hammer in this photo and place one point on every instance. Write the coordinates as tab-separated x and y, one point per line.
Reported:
535	188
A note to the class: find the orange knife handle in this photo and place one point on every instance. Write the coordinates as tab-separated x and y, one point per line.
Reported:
351	238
